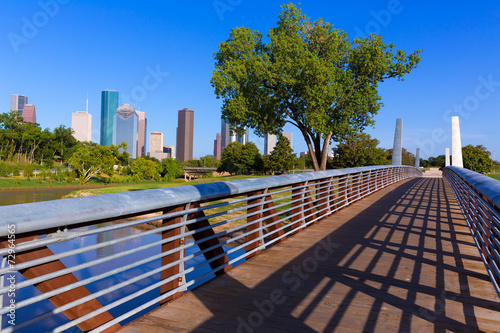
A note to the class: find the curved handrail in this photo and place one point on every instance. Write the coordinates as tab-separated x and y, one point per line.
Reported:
65	212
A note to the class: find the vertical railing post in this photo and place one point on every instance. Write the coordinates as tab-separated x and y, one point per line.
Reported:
254	238
297	207
173	257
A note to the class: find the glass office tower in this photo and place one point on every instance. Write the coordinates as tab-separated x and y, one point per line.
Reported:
109	104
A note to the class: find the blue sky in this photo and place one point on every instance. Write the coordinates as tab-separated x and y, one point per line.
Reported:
159	56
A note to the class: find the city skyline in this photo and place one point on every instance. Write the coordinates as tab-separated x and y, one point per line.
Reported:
66	57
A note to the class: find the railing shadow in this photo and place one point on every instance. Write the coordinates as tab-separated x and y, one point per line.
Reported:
396	264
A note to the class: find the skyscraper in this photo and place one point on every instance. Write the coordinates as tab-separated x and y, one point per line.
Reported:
17	103
217	146
155	142
185	135
225	137
269	143
141	135
125	128
289	136
29	113
81	124
109	105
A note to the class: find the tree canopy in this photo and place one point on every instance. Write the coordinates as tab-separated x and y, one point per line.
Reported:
238	158
90	161
359	150
477	158
309	75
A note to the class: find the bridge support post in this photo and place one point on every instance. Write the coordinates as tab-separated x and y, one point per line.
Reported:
212	242
168	259
59	282
254	239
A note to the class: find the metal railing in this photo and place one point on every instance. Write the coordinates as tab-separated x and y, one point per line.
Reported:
87	257
479	199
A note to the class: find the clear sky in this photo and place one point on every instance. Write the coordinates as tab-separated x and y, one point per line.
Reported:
159	56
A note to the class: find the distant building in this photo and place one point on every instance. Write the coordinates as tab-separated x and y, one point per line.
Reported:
289	136
155	142
184	142
81	124
225	137
269	143
141	135
109	105
169	150
125	128
17	103
217	146
29	113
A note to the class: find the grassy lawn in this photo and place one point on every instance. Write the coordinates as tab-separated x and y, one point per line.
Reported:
497	177
149	185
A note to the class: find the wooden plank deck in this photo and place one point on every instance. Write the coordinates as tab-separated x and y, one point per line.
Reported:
400	260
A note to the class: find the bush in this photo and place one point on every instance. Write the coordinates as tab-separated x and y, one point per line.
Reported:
17	181
5	169
15	170
69	179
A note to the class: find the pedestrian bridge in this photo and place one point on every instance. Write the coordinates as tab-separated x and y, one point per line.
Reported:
354	250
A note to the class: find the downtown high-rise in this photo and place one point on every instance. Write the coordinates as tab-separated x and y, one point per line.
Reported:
81	124
184	143
126	128
109	105
17	103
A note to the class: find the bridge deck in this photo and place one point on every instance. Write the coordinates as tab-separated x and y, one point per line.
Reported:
399	260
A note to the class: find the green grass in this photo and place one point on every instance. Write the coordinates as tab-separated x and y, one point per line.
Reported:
497	177
149	185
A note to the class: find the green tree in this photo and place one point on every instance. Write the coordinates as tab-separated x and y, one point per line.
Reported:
477	159
90	161
359	150
208	161
310	75
282	157
240	159
171	169
28	172
144	168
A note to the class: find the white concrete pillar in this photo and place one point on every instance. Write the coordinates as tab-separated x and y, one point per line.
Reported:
417	159
397	152
447	157
456	143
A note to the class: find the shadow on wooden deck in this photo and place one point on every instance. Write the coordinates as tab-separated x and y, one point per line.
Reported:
399	260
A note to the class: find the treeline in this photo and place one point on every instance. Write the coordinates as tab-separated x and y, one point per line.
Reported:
27	143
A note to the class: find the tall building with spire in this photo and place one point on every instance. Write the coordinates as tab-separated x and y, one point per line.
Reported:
81	124
109	105
185	124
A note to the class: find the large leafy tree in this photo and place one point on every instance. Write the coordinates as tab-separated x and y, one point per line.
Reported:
477	158
309	75
90	161
359	150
